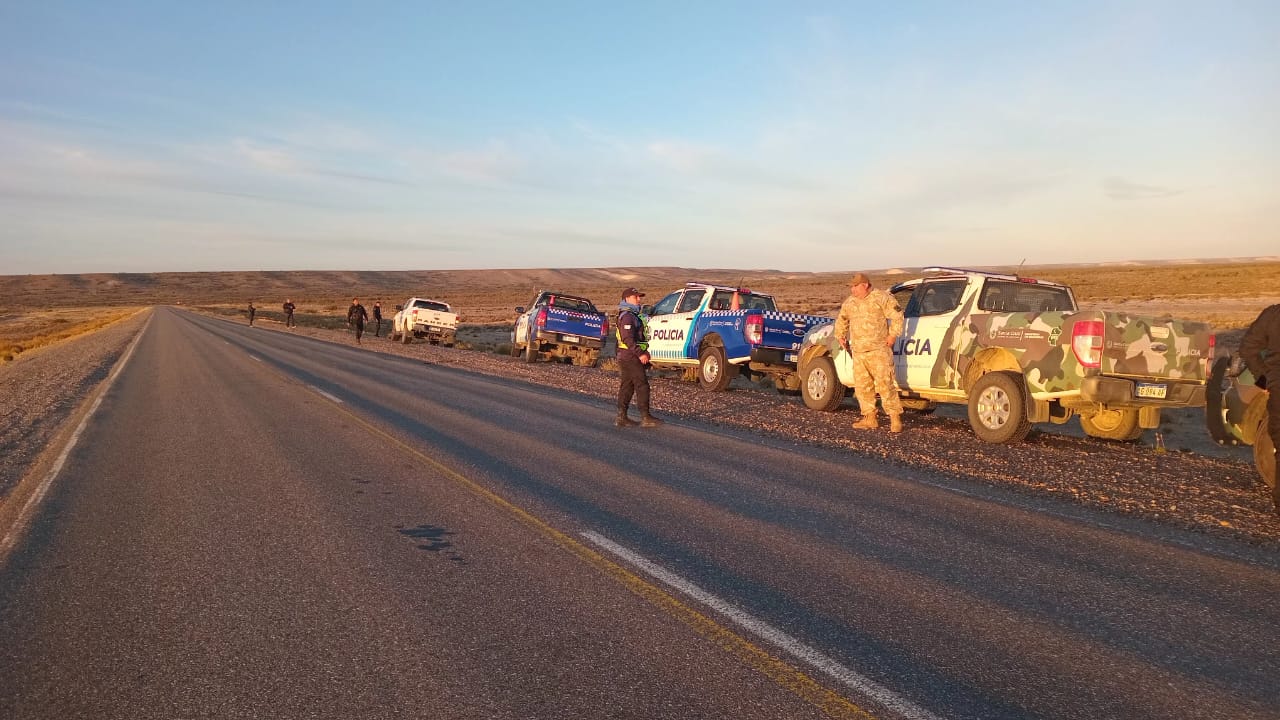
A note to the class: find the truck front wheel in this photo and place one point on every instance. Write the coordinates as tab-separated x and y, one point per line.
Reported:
714	372
821	387
998	408
1112	424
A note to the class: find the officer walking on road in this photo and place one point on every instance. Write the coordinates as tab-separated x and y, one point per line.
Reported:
1260	349
252	311
356	317
288	313
377	318
869	323
633	360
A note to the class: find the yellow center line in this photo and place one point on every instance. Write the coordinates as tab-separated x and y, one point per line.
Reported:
830	702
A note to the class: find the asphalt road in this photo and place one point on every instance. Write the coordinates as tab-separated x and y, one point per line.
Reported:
255	524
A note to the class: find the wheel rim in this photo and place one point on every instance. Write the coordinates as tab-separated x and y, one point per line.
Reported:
993	408
711	369
817	383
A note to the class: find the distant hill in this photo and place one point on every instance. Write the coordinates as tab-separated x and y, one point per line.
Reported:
491	295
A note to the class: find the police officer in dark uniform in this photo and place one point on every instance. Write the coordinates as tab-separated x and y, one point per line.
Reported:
377	318
252	311
1260	349
633	360
356	317
288	308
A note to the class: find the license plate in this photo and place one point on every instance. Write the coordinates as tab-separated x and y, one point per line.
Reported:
1152	390
791	357
575	338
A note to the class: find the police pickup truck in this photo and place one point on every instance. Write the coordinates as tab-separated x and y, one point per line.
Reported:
1018	351
557	325
725	331
422	318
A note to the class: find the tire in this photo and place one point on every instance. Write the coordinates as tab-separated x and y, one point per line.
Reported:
713	371
406	335
531	351
821	387
1264	454
1118	424
515	349
998	408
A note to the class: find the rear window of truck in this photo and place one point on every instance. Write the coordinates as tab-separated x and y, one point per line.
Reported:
1006	296
430	305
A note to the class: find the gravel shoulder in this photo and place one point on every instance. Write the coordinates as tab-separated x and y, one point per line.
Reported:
41	389
1195	485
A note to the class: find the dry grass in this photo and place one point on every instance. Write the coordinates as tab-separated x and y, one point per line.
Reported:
25	331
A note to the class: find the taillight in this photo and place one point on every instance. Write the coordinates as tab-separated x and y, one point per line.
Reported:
754	330
541	320
604	328
1208	362
1086	342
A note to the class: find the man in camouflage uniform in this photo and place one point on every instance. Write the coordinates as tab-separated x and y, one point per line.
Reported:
869	323
1260	349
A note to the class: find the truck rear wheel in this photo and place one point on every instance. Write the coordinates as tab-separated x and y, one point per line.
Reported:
406	335
998	408
713	371
1112	424
531	351
821	386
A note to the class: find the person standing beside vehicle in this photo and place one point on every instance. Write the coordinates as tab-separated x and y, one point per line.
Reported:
356	317
869	323
288	313
1260	350
377	318
633	360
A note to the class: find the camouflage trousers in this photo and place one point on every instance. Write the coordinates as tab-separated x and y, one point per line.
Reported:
873	373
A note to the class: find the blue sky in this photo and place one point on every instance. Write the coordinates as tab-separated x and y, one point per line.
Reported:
139	137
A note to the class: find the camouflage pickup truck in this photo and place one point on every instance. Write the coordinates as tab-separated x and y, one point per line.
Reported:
1018	351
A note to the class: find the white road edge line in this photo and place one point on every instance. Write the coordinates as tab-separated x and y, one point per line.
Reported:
768	633
313	387
255	358
25	514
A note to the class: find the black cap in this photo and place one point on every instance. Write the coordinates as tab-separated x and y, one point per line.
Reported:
631	291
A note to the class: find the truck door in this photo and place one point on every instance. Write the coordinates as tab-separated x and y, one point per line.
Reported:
920	356
670	322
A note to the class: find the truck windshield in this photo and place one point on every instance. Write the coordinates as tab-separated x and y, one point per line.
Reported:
1006	296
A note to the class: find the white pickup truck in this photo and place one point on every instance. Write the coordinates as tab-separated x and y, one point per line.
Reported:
422	318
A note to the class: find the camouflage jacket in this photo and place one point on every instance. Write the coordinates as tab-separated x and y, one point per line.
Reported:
869	322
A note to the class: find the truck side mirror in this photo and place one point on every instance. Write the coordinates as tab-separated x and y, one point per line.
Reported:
646	309
520	310
399	308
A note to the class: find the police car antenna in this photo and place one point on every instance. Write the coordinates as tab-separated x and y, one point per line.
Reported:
1017	272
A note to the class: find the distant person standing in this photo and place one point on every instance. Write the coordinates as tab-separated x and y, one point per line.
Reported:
288	313
1260	349
633	360
356	318
377	318
868	324
252	311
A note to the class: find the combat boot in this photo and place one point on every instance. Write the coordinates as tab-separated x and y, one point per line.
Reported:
649	421
895	423
624	421
868	422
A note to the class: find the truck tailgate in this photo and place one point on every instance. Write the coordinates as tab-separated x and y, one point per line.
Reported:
1163	348
786	330
572	322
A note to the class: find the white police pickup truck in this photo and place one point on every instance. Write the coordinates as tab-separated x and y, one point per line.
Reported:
422	318
726	331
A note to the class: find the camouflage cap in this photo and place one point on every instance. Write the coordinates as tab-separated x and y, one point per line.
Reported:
860	278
